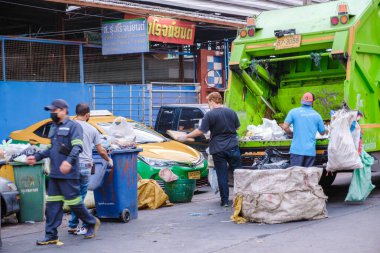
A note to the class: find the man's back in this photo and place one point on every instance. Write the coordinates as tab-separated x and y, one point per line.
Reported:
306	122
90	138
222	123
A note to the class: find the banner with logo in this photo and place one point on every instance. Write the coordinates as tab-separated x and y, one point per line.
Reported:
169	30
125	37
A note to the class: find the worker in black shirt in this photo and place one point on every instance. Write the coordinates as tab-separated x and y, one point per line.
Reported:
224	143
66	145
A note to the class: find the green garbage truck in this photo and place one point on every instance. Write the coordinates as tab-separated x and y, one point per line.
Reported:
330	49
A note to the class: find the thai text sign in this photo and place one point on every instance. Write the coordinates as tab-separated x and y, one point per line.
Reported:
125	37
171	31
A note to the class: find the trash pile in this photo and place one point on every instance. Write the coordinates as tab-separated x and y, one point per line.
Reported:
273	159
267	131
120	135
271	131
10	152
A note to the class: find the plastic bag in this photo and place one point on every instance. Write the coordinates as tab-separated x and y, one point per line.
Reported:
167	175
269	130
273	159
96	179
342	150
120	128
361	185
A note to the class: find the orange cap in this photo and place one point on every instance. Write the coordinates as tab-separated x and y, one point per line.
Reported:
307	99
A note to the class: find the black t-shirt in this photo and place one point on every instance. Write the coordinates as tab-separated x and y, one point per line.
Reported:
222	123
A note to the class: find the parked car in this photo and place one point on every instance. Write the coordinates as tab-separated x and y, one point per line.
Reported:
158	151
10	198
185	118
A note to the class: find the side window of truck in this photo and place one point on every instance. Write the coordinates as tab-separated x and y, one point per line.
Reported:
189	119
166	120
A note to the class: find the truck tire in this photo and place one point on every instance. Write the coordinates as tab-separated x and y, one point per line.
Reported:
327	179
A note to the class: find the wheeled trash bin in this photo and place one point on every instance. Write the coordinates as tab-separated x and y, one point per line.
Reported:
30	182
117	196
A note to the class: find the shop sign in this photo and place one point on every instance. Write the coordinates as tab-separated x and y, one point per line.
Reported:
173	31
125	37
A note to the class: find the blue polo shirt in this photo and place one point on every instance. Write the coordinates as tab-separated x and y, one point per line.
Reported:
306	122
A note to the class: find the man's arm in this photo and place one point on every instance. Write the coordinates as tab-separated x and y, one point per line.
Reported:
103	153
31	160
76	143
286	125
194	133
204	128
321	127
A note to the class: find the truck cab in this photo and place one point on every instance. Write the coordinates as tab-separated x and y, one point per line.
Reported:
330	49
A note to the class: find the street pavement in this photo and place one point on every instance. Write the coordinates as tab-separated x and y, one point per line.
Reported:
204	226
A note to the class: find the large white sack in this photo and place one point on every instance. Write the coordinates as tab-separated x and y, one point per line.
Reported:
283	195
343	145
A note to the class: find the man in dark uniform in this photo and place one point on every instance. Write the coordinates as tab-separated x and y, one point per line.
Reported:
64	186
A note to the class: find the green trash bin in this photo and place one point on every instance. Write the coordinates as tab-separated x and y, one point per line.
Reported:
181	190
30	182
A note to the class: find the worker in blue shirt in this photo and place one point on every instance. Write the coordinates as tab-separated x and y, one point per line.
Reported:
64	186
306	123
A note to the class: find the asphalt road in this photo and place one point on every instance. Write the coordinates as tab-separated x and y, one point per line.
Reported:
204	226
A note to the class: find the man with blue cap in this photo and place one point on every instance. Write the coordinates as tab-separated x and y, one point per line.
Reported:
66	138
306	123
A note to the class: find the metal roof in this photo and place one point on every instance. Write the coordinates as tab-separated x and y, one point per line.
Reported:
222	12
242	8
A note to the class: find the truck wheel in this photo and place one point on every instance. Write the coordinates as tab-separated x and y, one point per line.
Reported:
125	216
327	179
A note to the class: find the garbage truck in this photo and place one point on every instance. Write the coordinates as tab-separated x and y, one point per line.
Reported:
330	49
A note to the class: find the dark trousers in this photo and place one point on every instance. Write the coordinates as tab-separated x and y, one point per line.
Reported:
64	191
222	159
302	160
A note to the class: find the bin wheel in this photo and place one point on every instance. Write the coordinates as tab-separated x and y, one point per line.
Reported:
125	216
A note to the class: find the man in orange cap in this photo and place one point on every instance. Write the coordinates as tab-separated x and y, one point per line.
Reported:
306	122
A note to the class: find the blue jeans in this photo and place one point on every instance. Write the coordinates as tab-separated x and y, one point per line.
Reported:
85	174
222	159
301	160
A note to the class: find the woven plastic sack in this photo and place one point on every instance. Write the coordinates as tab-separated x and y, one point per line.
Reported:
361	185
277	196
343	145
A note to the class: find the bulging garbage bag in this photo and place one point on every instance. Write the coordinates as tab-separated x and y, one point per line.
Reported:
342	150
361	185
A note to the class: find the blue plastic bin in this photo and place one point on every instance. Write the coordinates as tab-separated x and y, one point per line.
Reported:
117	196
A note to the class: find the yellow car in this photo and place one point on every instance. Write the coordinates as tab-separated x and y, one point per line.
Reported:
158	151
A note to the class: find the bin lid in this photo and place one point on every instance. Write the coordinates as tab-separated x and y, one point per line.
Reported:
25	164
128	150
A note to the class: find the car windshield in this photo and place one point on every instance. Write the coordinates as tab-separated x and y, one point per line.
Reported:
143	134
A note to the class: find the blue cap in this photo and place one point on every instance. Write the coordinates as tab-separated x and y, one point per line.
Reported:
57	104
